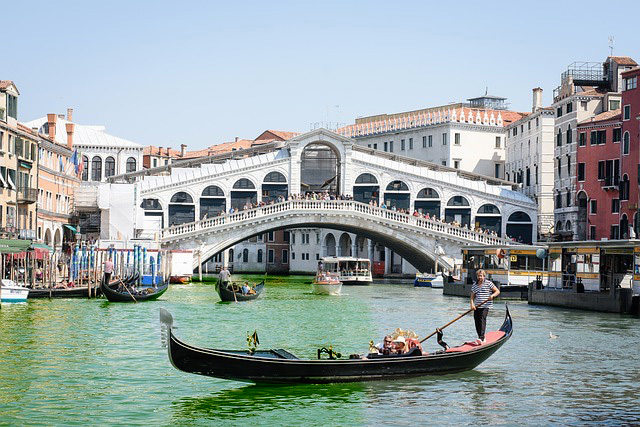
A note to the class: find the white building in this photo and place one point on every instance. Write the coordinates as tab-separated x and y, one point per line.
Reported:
530	158
586	90
469	137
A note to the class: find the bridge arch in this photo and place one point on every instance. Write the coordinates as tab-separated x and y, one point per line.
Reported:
488	217
458	210
213	201
182	208
345	245
274	185
520	227
397	194
243	193
320	167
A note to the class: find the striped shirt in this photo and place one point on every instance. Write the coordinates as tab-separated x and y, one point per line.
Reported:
483	292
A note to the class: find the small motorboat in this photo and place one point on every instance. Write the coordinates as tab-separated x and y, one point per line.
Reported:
326	284
12	292
280	366
426	280
179	280
233	291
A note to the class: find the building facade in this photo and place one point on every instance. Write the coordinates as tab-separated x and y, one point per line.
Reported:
586	90
18	168
630	116
529	152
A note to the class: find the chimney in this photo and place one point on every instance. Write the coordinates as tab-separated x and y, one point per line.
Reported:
237	138
168	153
51	121
69	114
70	128
160	151
537	99
183	150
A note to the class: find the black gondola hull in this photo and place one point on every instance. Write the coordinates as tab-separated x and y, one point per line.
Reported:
228	295
113	295
272	367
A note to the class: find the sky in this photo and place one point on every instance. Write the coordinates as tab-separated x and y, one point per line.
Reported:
201	73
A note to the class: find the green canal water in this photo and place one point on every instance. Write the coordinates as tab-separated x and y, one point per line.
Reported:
83	362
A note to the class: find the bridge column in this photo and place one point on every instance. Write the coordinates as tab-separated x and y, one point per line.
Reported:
371	248
338	249
387	260
354	249
225	258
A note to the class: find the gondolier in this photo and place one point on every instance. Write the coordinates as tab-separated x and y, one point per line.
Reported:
224	276
108	271
482	291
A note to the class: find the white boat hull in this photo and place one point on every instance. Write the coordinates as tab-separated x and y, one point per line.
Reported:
11	292
326	288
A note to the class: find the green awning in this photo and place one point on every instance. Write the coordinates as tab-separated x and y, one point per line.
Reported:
71	227
41	246
11	246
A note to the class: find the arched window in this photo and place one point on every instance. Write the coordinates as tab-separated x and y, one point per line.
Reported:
519	217
458	201
567	226
397	186
181	197
489	209
625	143
366	178
259	255
109	167
131	164
559	138
569	135
85	168
212	191
273	177
428	193
559	226
624	187
243	183
96	169
245	255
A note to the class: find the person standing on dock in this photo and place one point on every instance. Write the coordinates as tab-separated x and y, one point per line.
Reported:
108	271
481	291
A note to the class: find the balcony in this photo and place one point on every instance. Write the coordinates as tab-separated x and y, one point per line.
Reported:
610	183
27	195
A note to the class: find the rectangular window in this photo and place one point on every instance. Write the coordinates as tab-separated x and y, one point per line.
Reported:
528	177
559	160
498	142
293	256
271	237
402	145
592	232
558	201
584	105
12	106
386	147
614	104
631	83
424	142
569	165
617	134
410	143
593	138
456	164
444	163
155	163
581	171
593	207
497	170
602	137
515	130
601	169
287	236
270	256
391	146
537	121
456	139
582	139
615	205
368	146
536	174
529	125
626	114
569	107
559	138
559	111
285	256
375	146
615	232
568	198
430	140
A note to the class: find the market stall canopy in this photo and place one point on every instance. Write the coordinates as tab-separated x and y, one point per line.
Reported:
14	246
71	227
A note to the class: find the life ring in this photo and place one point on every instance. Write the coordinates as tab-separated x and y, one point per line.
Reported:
501	253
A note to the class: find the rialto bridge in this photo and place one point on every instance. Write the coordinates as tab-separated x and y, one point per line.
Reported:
208	206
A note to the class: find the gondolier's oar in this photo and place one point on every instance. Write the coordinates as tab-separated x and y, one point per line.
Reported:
125	286
453	321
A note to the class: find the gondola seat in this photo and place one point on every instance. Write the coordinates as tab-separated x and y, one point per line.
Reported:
490	337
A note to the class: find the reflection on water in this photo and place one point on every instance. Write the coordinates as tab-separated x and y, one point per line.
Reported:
89	362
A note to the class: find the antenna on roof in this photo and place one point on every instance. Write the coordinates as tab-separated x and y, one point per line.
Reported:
486	91
612	40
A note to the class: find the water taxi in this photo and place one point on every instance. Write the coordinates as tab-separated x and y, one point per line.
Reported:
349	270
326	284
12	292
427	280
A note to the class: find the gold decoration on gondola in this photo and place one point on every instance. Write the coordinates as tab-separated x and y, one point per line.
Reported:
405	333
252	341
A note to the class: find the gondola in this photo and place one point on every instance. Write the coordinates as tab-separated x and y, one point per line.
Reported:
113	295
228	295
280	366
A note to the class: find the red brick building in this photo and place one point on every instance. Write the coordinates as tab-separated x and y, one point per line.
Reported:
608	158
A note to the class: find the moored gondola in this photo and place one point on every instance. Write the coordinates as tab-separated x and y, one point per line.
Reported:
144	293
280	366
227	294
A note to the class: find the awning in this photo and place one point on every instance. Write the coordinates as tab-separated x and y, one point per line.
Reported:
25	164
14	246
71	227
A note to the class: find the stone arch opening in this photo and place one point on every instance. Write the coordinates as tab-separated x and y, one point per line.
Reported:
181	209
428	202
520	227
47	237
345	245
489	218
624	226
397	195
274	186
366	189
320	169
243	194
458	210
153	214
330	248
212	202
57	238
582	201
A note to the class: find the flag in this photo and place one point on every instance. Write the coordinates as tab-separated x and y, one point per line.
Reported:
80	166
61	164
74	158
